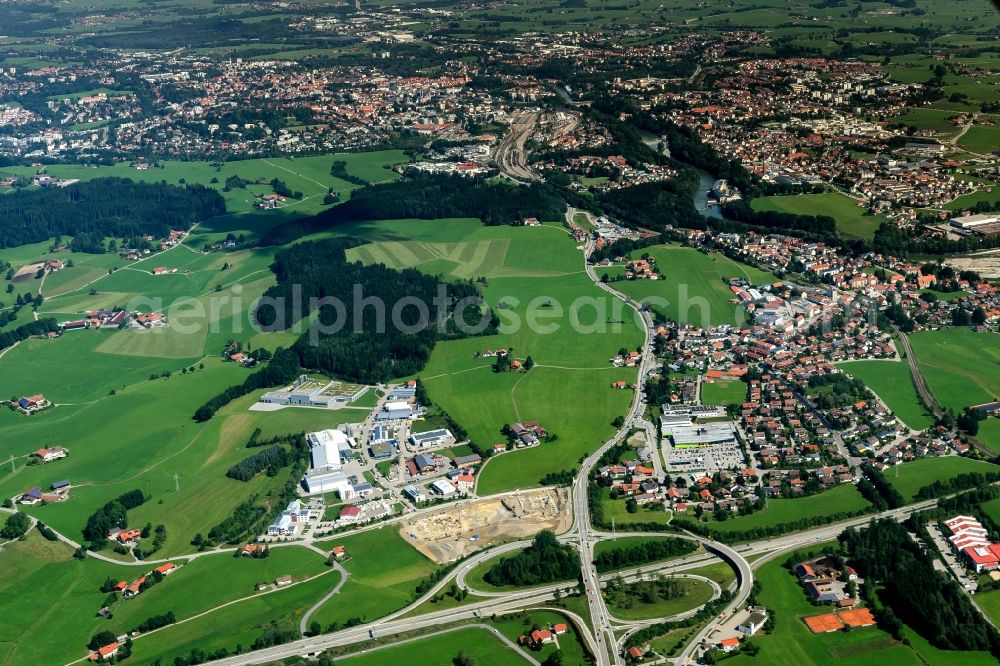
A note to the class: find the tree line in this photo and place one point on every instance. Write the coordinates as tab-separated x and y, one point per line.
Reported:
430	197
649	551
25	331
272	459
104	207
913	592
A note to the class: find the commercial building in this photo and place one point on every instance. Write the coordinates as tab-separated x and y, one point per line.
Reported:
325	473
306	392
438	437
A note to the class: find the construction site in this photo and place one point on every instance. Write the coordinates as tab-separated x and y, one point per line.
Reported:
466	527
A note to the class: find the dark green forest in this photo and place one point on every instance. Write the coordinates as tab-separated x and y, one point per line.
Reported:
104	207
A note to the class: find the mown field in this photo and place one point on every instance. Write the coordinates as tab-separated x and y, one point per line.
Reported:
911	477
692	287
723	392
892	382
851	219
961	367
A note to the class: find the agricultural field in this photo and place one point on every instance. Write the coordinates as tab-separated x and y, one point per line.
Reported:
477	643
852	222
911	477
220	580
989	433
981	139
692	284
384	573
892	382
723	392
961	367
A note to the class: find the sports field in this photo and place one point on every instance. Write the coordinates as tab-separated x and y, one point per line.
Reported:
892	382
851	219
961	367
723	392
911	477
692	288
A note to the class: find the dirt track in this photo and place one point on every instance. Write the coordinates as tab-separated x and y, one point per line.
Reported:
468	526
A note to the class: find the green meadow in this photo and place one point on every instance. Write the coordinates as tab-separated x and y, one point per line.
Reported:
852	222
42	629
482	646
841	499
694	593
961	367
911	477
384	574
892	382
692	284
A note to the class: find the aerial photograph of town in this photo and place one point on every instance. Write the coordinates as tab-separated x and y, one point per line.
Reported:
500	332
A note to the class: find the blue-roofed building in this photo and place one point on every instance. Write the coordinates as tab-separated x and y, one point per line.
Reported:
424	462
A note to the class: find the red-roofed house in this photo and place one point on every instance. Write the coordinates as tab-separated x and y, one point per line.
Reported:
105	652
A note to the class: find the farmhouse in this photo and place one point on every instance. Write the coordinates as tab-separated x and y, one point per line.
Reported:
166	569
282	581
33	403
52	453
30	496
106	652
134	588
